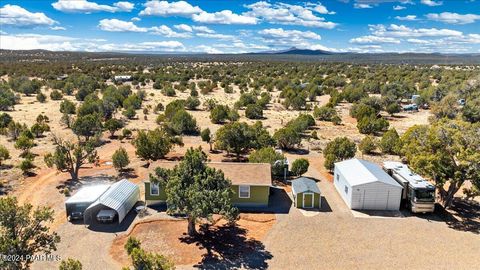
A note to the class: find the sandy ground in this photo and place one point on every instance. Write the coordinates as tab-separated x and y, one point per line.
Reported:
293	240
169	237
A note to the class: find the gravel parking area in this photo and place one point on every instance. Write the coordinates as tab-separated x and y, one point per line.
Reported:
337	240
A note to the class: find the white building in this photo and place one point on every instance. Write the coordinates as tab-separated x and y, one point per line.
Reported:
122	78
364	185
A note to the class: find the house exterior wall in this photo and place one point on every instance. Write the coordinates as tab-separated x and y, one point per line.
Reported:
152	199
258	196
340	183
376	196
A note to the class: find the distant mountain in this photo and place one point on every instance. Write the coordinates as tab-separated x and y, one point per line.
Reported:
290	55
296	51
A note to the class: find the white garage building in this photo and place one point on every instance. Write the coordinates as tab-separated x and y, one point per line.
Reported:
364	185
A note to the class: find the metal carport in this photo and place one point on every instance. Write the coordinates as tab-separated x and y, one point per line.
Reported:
120	197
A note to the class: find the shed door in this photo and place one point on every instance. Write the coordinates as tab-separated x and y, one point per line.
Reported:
307	200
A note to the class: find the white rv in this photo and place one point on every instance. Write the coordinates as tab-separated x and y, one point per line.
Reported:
418	193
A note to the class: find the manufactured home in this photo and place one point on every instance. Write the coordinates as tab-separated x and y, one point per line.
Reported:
363	185
306	193
251	183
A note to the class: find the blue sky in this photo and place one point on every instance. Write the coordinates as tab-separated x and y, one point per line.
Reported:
228	26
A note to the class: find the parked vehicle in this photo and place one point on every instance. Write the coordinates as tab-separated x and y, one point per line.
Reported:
106	216
418	194
410	108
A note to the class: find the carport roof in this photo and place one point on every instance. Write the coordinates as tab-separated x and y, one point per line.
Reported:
359	172
118	194
304	184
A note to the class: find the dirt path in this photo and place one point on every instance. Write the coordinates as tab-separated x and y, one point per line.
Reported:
30	186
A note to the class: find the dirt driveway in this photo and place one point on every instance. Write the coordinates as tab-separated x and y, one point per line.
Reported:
334	239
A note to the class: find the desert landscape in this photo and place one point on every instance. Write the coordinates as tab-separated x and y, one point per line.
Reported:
272	237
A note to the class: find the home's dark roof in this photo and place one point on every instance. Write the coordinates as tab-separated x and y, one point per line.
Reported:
304	184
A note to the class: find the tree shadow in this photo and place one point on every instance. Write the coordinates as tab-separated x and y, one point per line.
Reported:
128	173
6	167
5	189
227	247
299	151
469	211
462	216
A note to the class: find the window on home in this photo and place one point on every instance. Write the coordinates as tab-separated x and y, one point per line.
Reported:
346	190
338	177
244	191
154	189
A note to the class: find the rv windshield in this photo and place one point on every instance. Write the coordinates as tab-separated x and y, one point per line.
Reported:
425	195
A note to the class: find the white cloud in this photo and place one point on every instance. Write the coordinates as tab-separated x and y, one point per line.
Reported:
18	16
374	40
207	49
85	6
286	14
65	43
321	9
166	46
362	6
164	8
203	29
135	19
399	7
366	49
295	38
453	18
241	45
223	17
166	31
183	27
124	6
432	3
407	18
35	41
115	25
403	31
277	33
217	36
58	28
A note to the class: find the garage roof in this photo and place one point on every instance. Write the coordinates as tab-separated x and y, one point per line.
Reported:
359	172
304	184
87	194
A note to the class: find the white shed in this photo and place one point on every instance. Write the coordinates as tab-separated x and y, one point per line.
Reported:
364	185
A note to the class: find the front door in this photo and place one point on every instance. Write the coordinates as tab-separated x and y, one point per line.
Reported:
307	200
